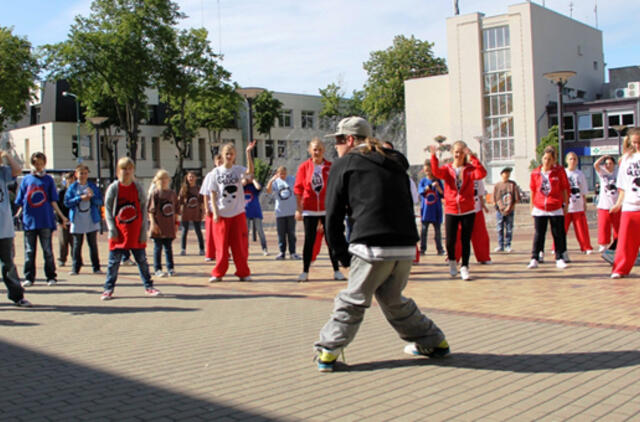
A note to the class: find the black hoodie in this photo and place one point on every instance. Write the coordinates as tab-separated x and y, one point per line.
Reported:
373	190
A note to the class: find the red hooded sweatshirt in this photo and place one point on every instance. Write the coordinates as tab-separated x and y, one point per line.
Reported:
460	200
548	195
312	199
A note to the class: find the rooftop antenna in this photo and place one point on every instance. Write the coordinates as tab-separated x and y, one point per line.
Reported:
456	8
571	9
595	11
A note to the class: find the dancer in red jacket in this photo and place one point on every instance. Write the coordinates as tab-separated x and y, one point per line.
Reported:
310	189
549	198
458	177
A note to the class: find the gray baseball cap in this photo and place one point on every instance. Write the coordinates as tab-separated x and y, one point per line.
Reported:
353	125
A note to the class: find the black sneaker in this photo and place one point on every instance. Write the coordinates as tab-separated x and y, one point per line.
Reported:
440	351
23	303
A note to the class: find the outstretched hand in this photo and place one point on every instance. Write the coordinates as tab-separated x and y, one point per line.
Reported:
433	149
251	146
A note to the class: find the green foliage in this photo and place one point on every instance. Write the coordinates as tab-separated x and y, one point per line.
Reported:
335	105
267	108
18	71
218	110
262	170
387	70
550	140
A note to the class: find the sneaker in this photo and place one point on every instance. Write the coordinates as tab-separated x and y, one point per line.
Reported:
588	251
172	273
160	273
464	273
107	295
541	257
561	264
453	268
265	252
616	275
303	277
22	303
52	282
27	283
498	249
98	271
73	272
507	249
201	252
440	253
295	256
337	275
208	259
565	257
152	291
128	262
183	253
327	359
533	264
440	351
215	279
601	248
280	257
247	278
486	262
60	263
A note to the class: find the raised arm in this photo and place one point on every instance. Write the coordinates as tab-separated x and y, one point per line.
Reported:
249	150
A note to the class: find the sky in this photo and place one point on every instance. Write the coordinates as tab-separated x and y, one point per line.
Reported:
300	46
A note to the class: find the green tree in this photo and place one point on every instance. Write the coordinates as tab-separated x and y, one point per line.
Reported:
18	72
218	111
332	99
387	70
550	140
266	110
114	51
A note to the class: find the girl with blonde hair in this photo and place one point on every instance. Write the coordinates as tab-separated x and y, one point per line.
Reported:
163	216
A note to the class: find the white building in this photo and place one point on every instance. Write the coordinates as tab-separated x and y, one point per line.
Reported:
495	92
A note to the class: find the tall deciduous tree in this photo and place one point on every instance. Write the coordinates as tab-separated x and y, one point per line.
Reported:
219	111
18	72
267	108
387	70
115	50
336	106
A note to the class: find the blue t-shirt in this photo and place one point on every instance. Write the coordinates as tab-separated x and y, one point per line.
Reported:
285	199
252	201
6	214
35	196
82	220
431	201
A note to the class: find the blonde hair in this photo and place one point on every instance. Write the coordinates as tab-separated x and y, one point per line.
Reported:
281	168
125	162
317	141
627	147
464	146
371	144
569	154
228	147
157	179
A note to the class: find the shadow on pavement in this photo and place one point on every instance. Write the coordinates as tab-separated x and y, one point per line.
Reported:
11	323
230	296
526	363
106	309
69	391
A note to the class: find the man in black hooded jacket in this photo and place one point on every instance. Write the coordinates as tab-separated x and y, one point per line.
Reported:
369	185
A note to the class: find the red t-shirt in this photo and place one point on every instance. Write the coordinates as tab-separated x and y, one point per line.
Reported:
128	219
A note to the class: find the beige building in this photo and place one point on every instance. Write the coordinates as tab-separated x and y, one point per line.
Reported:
495	94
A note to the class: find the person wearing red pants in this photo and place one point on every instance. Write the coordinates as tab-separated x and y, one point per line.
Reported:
577	204
607	172
479	235
629	202
229	220
209	245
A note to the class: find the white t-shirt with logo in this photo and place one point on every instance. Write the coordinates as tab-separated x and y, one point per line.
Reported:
629	182
82	221
545	189
577	188
317	183
227	184
478	192
608	195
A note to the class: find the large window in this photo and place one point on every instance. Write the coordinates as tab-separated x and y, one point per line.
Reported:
285	118
268	148
619	118
497	94
307	119
590	126
568	128
282	148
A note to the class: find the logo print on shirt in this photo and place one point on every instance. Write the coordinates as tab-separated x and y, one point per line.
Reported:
192	202
575	189
36	196
229	194
248	197
610	187
284	193
430	198
166	208
316	181
126	212
545	186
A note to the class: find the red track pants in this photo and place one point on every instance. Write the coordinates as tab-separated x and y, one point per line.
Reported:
581	227
479	240
231	233
209	244
606	222
628	242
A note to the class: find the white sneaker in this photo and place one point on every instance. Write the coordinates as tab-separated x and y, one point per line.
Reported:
533	264
616	275
160	273
337	275
498	249
453	268
601	248
588	251
52	282
561	264
507	249
247	278
303	277
27	283
464	273
265	252
486	262
541	257
215	279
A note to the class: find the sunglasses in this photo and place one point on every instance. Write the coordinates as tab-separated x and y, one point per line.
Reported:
341	140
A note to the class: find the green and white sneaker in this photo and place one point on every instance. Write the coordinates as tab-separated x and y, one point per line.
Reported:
440	351
327	359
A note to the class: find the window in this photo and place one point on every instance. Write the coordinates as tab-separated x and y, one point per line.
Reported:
155	151
188	150
620	118
81	149
285	118
142	148
268	148
307	119
202	151
590	126
296	150
569	128
282	149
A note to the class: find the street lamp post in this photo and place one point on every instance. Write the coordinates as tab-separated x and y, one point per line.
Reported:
619	129
250	94
75	97
97	121
560	78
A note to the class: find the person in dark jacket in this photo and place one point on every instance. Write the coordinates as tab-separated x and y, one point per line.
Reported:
369	185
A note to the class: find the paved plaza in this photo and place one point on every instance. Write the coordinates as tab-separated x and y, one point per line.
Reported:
541	344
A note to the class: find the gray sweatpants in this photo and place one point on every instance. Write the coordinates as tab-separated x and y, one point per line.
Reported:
385	280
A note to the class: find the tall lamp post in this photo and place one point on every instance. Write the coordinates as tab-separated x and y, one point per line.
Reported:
75	97
560	78
250	94
619	129
97	121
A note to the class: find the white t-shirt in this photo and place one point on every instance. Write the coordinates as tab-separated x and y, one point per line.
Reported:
608	195
629	182
204	187
478	192
578	188
545	189
227	184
